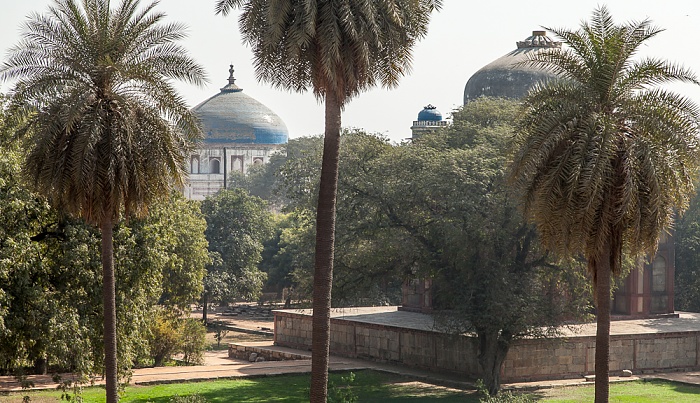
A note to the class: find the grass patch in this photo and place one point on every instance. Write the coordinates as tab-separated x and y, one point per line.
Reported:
643	391
369	386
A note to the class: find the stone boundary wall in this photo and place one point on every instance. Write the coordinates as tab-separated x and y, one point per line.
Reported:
527	360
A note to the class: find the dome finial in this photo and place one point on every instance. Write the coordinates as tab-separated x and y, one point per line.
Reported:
231	86
538	39
231	80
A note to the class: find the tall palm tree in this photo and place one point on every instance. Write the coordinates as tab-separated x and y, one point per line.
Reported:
107	131
605	156
337	49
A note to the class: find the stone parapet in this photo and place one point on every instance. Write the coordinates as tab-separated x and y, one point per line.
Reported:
527	360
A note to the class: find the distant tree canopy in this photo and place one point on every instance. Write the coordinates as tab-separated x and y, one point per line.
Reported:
237	226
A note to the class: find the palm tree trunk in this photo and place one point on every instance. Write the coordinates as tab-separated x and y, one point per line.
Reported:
110	311
602	338
323	265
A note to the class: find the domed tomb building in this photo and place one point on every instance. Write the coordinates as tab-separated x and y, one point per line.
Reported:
239	132
507	77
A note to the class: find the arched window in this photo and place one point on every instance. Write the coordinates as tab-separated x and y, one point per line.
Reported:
214	166
194	164
237	163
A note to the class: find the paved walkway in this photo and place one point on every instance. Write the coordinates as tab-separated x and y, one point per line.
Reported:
219	366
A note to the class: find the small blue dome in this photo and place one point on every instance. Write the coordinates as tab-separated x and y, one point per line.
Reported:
430	113
233	117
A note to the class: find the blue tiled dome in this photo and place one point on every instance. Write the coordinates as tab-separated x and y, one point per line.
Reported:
430	113
233	117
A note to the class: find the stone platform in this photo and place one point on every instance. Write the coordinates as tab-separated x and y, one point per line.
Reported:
385	334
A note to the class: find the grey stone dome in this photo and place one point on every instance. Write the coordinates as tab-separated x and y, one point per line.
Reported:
233	117
502	78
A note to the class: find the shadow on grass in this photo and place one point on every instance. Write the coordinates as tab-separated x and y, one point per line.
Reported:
369	386
678	387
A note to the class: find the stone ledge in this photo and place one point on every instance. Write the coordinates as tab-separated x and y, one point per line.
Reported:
242	352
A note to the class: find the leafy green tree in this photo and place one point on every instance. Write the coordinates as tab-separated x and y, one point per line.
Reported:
280	253
274	182
50	267
299	176
338	49
361	273
53	282
605	155
366	258
433	209
446	213
237	226
22	261
108	131
686	238
175	230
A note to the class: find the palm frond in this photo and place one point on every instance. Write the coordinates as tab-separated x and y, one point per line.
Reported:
109	129
606	148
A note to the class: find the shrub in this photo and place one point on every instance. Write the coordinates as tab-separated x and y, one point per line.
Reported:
171	335
343	393
193	342
502	397
165	338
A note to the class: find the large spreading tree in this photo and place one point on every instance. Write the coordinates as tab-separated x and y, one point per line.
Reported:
107	131
337	49
606	155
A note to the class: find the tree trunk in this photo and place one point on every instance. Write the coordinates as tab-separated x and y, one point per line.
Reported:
602	337
205	303
110	311
323	264
40	366
492	353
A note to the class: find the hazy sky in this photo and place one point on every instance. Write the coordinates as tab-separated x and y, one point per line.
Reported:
463	37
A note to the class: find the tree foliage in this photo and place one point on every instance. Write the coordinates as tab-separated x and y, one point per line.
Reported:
51	315
237	226
686	238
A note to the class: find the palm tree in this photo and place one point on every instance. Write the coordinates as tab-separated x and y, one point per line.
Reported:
107	130
338	49
605	156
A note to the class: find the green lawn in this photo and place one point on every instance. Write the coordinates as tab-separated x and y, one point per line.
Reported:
652	391
369	386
